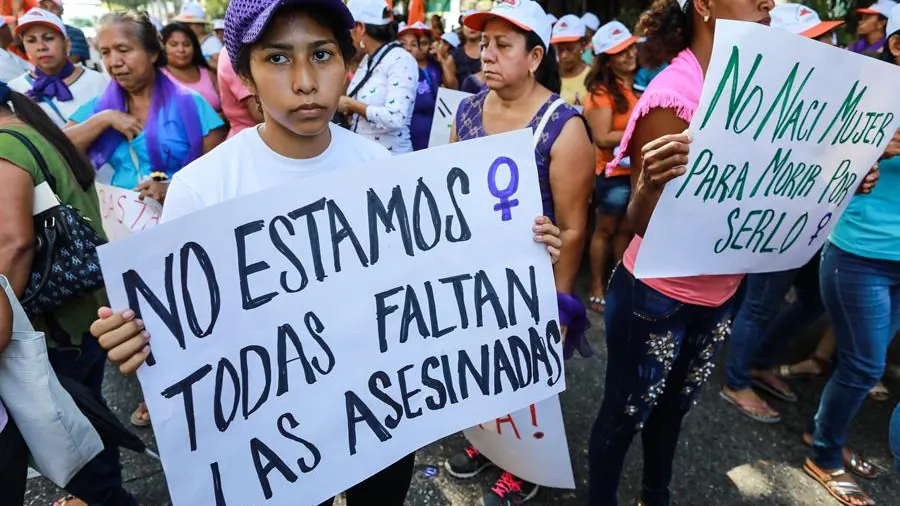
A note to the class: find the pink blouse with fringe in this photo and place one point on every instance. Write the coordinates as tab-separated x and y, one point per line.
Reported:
678	88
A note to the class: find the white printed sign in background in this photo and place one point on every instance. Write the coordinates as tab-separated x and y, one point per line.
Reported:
123	213
530	443
444	113
780	144
303	342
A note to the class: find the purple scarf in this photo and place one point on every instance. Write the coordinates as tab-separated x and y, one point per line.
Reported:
573	315
165	94
51	86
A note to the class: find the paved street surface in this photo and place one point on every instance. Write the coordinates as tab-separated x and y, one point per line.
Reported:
724	458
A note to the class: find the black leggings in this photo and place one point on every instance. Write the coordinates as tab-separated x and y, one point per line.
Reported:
13	466
386	488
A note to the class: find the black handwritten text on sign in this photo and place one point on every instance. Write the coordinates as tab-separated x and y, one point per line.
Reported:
306	337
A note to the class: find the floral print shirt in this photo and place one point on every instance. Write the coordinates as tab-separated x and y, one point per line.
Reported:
390	94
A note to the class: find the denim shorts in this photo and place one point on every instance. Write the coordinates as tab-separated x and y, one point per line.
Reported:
611	194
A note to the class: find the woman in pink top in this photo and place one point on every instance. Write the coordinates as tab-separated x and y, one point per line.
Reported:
187	65
662	334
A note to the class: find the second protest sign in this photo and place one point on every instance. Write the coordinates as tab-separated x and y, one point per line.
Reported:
305	338
780	144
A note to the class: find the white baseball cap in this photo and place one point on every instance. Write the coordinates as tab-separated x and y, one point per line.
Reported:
370	12
893	25
219	24
38	16
569	28
192	12
591	21
451	38
553	19
881	7
801	20
612	38
525	14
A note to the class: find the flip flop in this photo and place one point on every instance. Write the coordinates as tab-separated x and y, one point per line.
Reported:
774	392
598	304
747	407
136	418
879	393
784	371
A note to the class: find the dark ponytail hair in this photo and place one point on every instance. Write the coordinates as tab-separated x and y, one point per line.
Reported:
383	33
32	114
886	54
668	30
602	76
197	59
547	73
143	30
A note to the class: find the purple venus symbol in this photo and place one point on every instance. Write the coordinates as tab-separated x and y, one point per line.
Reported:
506	204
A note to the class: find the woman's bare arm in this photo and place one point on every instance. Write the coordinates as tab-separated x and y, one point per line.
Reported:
572	163
653	127
16	227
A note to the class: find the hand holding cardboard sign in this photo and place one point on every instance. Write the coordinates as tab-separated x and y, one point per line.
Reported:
665	159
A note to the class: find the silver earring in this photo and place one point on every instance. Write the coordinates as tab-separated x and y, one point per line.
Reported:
706	18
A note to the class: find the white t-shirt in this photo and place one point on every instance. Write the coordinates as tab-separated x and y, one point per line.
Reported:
88	85
244	164
210	46
11	66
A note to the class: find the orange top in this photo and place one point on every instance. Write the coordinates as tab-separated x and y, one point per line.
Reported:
600	98
8	6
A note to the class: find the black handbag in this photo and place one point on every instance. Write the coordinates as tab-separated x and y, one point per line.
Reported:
65	262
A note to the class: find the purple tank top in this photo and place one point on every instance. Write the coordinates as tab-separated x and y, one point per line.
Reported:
469	125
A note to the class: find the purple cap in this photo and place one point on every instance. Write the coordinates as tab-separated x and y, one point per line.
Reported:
245	20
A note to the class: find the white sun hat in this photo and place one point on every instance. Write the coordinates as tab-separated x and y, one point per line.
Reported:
192	12
591	21
525	14
801	20
881	7
569	28
370	12
612	38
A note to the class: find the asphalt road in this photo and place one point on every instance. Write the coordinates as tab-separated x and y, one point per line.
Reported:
724	458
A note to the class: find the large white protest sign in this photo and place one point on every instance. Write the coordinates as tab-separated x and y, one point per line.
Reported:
123	213
530	443
306	337
444	113
780	144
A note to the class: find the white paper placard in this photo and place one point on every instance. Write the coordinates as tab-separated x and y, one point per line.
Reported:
123	213
530	443
444	113
306	337
780	144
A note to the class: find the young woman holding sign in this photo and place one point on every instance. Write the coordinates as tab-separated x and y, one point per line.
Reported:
523	80
663	335
294	59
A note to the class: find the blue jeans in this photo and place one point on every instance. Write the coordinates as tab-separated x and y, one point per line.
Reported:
862	297
759	329
895	437
661	351
99	483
